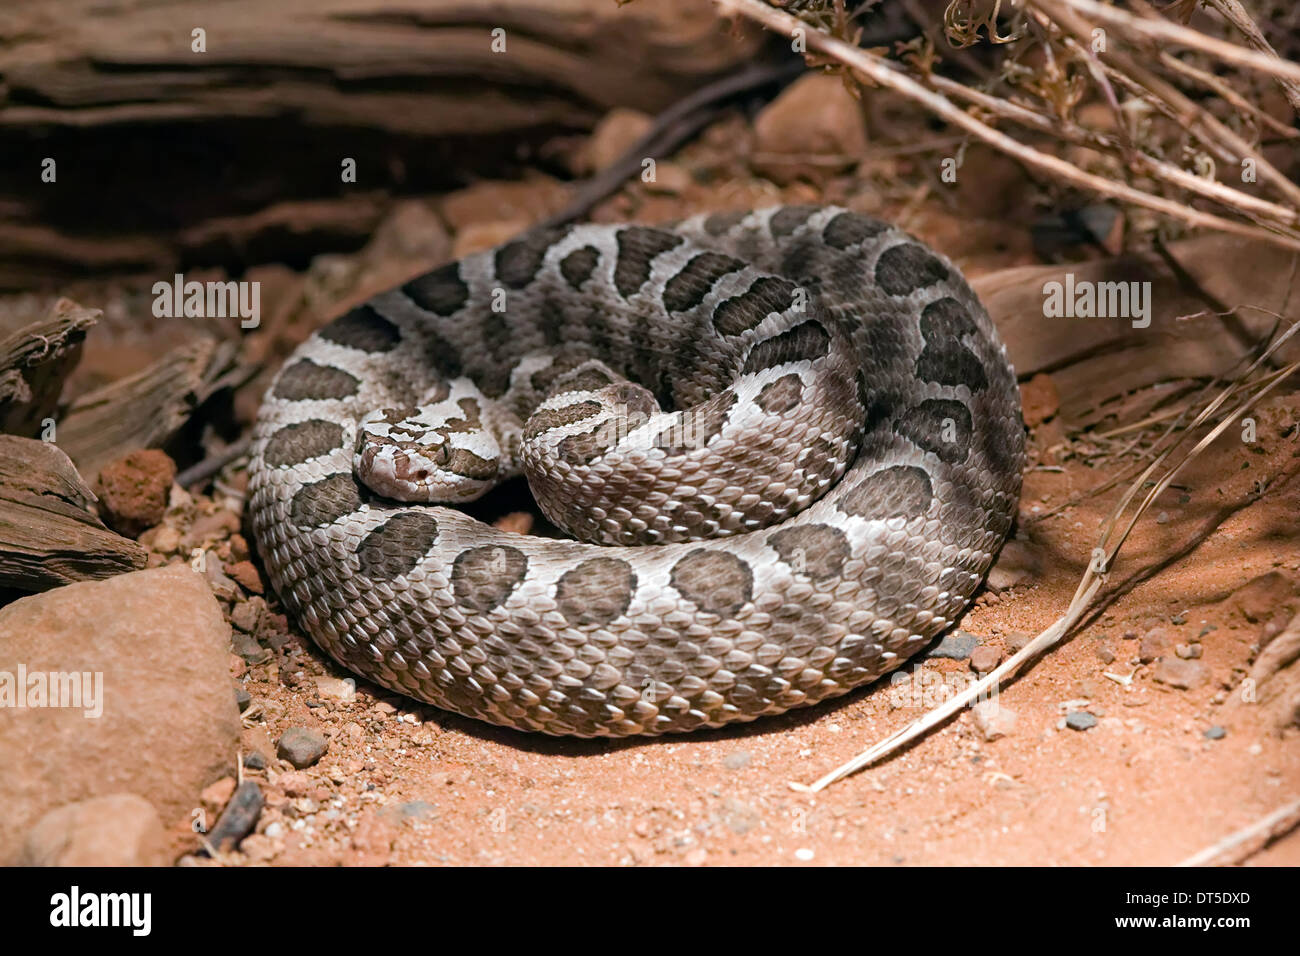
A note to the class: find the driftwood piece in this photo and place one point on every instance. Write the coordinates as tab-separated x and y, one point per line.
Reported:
143	410
34	361
417	95
1094	361
49	533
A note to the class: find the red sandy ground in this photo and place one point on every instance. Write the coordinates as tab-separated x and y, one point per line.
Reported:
1144	786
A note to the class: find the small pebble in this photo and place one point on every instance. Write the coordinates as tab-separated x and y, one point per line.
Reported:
1105	655
984	658
254	761
1015	642
247	648
1154	643
993	719
957	646
246	615
1181	674
239	817
1216	733
302	746
737	759
246	574
411	810
803	853
1080	720
1188	652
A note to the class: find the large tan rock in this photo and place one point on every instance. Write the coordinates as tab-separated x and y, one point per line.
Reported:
120	829
158	715
812	131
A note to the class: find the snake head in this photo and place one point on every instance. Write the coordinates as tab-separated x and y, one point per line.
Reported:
410	455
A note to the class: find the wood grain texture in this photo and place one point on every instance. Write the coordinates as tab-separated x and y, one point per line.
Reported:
167	157
1094	360
49	534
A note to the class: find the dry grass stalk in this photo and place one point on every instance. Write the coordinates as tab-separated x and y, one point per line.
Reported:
882	72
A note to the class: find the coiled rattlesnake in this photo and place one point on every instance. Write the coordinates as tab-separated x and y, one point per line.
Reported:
790	439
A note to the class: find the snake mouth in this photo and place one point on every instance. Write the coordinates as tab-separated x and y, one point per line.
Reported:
427	474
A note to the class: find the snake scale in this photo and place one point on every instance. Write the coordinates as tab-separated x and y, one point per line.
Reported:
788	443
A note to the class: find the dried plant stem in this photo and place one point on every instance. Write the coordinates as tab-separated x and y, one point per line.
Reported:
1198	121
1157	28
1144	162
1271	826
1228	95
880	71
1236	14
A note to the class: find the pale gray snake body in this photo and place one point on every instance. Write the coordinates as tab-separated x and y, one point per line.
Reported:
790	439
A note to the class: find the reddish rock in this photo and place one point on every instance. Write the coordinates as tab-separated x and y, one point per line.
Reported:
1260	600
209	529
984	658
1014	643
133	490
411	232
993	719
526	200
162	721
1178	673
295	783
479	236
245	573
813	130
215	795
1039	400
239	548
120	829
613	136
516	522
1019	562
1153	645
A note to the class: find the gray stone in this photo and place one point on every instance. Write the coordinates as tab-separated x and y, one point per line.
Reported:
1080	720
301	746
958	646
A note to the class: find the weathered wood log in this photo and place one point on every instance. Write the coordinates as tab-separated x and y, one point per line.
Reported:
1092	361
34	361
143	410
420	95
49	533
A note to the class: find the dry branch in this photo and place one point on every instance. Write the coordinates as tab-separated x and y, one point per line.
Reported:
882	72
34	361
49	534
1159	29
142	410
